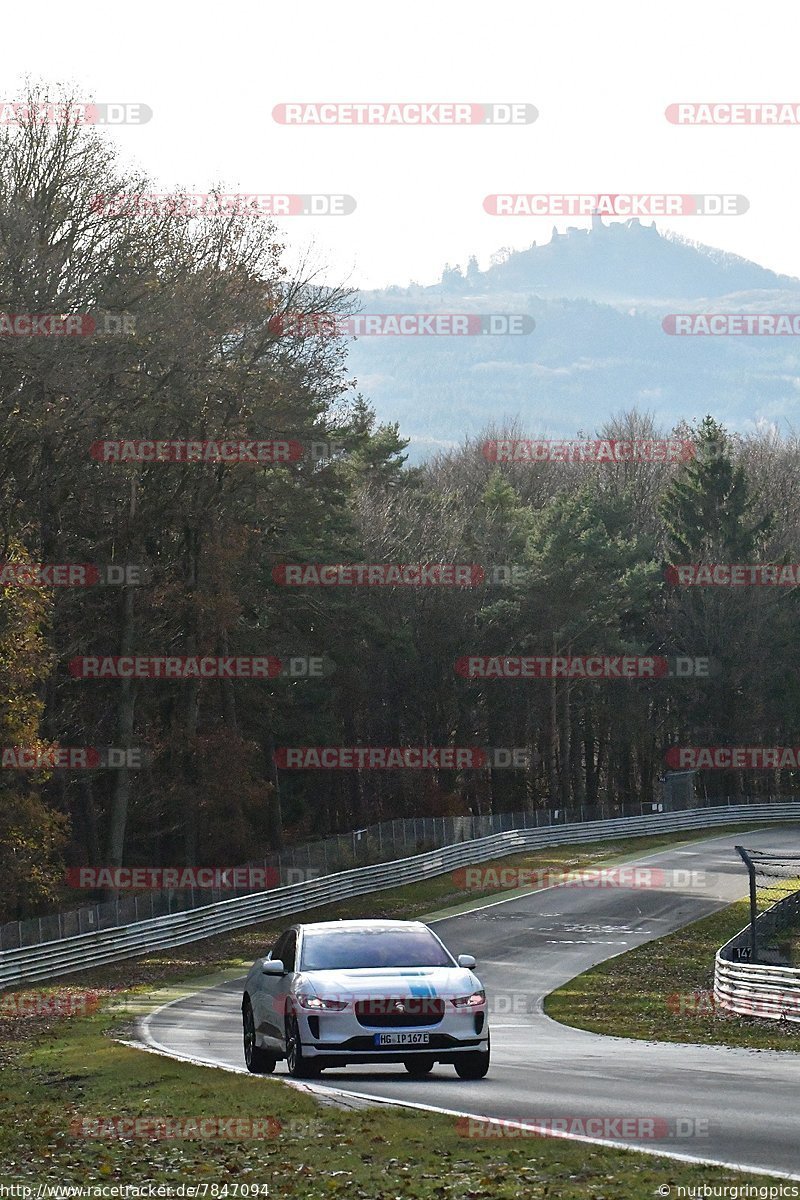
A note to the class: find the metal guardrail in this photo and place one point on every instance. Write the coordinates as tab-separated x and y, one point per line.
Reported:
752	990
758	989
52	959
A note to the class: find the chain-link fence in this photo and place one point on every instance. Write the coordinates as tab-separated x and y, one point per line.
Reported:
774	901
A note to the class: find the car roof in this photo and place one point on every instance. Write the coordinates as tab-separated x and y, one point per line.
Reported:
372	923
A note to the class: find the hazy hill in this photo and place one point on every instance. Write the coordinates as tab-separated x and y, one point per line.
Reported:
598	298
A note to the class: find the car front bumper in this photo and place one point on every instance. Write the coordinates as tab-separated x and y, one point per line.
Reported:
340	1036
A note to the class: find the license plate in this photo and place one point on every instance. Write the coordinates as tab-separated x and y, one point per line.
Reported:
402	1039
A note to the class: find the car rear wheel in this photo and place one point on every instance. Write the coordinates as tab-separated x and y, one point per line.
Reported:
417	1067
299	1067
474	1064
258	1061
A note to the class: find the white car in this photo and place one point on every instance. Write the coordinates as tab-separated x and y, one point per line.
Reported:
339	992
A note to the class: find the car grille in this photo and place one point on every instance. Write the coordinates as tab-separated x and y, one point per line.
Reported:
398	1012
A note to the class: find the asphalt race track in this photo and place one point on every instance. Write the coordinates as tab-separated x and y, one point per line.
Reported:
739	1107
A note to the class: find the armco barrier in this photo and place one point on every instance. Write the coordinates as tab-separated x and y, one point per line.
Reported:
51	959
758	989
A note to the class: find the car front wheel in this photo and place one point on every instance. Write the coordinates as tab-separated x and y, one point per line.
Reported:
473	1065
299	1067
258	1061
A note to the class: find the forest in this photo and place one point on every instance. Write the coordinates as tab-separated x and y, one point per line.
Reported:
189	331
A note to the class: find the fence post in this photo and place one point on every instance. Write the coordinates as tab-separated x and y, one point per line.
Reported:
751	870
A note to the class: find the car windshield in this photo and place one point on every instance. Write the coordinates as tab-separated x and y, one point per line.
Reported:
348	949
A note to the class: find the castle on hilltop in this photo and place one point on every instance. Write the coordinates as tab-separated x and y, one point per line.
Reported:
574	231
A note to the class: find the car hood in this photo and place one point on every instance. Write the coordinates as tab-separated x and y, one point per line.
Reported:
391	981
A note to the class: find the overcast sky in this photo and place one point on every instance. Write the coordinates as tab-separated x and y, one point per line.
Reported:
599	75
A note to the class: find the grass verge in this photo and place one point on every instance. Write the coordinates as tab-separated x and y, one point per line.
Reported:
74	1074
663	991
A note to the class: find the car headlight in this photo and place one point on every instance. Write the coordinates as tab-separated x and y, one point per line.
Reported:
473	1001
319	1004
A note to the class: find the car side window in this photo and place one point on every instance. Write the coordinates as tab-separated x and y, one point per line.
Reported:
288	949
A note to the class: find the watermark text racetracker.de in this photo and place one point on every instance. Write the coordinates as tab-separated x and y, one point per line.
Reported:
583	666
408	112
732	324
703	1003
403	325
734	574
227	204
59	325
400	758
73	574
246	878
75	112
407	575
45	1005
257	452
728	758
600	450
483	879
210	879
174	1128
198	666
644	204
73	758
733	113
603	1128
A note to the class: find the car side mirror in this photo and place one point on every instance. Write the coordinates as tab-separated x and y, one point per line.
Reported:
273	966
467	961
